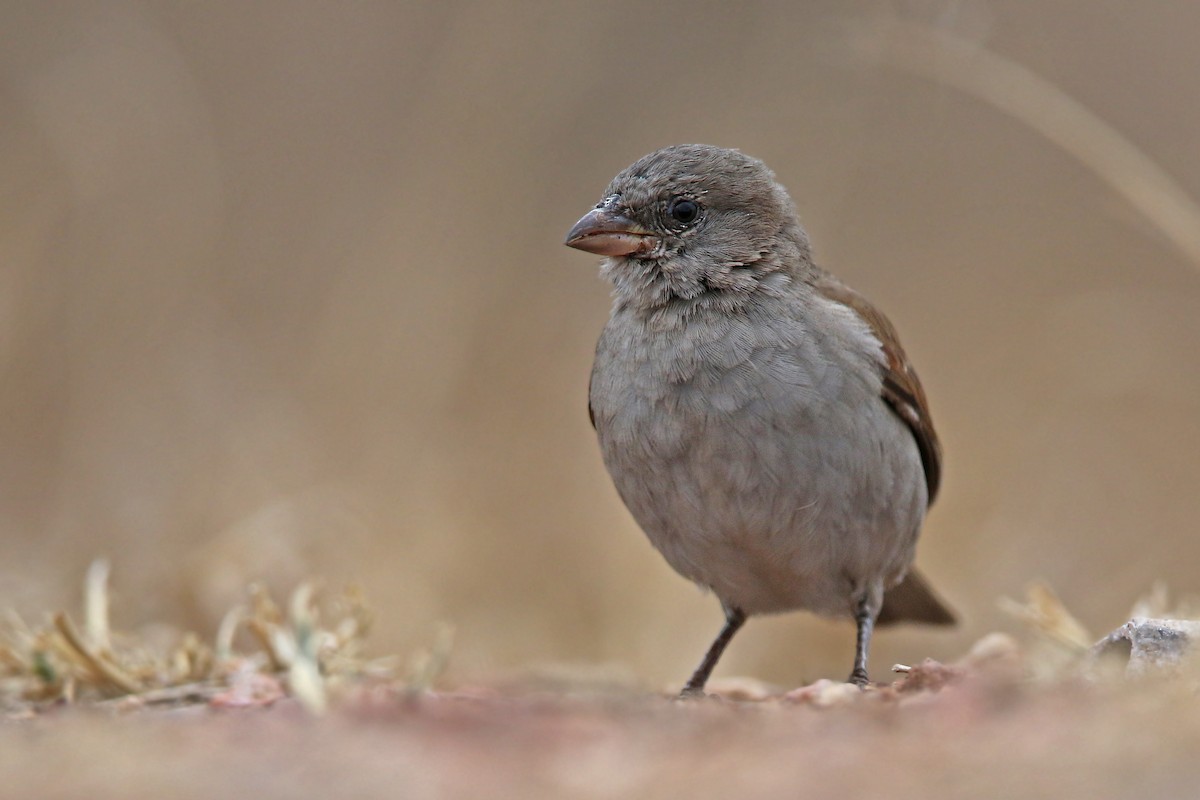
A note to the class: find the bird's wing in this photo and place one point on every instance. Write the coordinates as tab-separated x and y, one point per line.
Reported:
591	411
912	600
901	387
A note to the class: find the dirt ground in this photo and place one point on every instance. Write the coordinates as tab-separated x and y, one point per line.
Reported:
983	729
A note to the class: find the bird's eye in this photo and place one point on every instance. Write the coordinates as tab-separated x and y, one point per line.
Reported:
684	210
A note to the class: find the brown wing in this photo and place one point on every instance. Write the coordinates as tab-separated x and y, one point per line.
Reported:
901	387
912	600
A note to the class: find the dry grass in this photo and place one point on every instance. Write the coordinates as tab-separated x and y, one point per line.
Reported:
259	654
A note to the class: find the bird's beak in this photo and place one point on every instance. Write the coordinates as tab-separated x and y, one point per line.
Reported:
605	231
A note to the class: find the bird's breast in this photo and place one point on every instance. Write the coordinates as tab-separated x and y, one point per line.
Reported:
749	455
665	391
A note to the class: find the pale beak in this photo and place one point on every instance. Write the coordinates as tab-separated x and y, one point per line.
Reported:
605	231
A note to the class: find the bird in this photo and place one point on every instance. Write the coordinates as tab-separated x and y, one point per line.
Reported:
758	417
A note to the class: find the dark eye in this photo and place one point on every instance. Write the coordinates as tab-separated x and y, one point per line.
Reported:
684	210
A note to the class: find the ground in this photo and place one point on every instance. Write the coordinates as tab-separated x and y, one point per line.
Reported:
978	731
297	712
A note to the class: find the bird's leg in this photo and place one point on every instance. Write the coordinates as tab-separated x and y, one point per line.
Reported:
865	617
734	619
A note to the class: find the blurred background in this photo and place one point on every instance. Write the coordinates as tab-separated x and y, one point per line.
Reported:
283	295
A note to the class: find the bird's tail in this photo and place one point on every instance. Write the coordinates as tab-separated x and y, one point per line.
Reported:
911	600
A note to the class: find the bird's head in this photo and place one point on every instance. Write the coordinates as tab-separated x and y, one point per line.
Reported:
694	223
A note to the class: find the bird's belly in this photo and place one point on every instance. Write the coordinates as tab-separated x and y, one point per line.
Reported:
773	509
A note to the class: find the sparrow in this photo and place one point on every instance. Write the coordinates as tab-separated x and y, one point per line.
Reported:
758	417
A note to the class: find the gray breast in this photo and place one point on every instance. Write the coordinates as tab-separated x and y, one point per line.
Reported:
759	461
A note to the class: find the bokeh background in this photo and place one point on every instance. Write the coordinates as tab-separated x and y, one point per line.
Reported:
282	295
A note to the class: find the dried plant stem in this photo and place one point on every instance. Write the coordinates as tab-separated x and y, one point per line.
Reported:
223	647
264	620
95	605
954	61
1045	613
96	662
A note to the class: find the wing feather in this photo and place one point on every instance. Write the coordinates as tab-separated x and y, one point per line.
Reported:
902	389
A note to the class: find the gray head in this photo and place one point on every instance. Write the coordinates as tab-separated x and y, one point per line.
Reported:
694	223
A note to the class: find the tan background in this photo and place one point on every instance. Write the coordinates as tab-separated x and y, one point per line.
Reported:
282	294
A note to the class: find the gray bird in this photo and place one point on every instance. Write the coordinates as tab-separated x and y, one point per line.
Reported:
758	417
